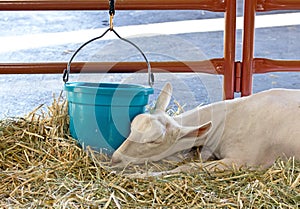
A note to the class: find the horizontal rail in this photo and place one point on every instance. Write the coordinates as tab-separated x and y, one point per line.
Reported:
213	66
262	65
211	5
269	5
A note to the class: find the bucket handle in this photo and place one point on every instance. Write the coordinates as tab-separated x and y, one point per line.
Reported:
150	74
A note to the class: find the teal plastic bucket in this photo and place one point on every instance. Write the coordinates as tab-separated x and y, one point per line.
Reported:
101	113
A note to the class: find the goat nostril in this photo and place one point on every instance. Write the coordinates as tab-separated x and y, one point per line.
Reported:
115	160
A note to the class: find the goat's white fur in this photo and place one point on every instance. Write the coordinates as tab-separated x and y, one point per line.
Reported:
250	131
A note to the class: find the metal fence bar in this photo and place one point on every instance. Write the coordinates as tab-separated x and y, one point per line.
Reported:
213	66
211	5
263	65
270	5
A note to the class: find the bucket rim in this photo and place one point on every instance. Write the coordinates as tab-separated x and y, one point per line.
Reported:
105	87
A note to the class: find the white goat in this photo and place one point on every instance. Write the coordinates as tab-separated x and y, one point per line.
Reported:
250	131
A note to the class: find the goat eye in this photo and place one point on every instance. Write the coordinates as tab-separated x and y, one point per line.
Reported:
153	142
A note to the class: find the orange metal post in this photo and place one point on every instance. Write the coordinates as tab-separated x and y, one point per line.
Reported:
229	49
248	47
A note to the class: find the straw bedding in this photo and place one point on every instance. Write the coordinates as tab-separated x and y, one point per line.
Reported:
41	166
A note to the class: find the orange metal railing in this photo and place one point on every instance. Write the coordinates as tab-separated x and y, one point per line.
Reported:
224	65
251	65
237	75
211	5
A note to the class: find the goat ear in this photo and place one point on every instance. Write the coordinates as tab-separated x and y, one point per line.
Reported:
194	131
164	97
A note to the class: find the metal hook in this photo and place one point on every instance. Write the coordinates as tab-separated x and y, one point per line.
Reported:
111	24
111	13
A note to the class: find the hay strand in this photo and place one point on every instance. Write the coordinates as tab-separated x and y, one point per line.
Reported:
41	166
